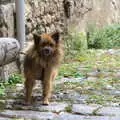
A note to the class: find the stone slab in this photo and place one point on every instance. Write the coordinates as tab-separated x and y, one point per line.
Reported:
28	114
53	107
115	111
69	116
1	118
84	109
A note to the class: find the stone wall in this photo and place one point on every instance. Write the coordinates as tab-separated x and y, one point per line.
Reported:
98	11
51	15
7	19
44	16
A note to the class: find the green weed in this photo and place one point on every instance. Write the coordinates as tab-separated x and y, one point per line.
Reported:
12	80
75	43
68	109
70	70
104	37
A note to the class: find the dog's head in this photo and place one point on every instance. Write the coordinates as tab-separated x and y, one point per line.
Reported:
46	44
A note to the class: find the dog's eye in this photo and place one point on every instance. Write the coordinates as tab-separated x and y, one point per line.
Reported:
43	44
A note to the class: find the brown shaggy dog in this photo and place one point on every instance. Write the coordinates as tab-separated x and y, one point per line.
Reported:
41	62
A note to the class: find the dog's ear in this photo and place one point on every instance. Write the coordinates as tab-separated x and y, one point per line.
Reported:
56	36
37	38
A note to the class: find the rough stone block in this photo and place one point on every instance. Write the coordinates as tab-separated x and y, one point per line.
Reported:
7	20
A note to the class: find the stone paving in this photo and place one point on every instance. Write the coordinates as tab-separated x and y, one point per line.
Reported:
70	100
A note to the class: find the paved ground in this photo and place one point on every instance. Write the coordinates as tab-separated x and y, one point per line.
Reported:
94	96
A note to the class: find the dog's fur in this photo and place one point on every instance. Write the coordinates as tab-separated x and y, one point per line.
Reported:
41	62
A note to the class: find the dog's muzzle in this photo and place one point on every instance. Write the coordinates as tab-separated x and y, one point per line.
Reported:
46	51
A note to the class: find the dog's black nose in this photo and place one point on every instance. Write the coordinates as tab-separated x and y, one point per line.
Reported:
46	51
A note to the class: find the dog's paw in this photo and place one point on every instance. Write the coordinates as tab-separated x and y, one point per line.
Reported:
27	103
46	102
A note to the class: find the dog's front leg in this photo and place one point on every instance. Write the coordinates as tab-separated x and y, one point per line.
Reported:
49	74
29	83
